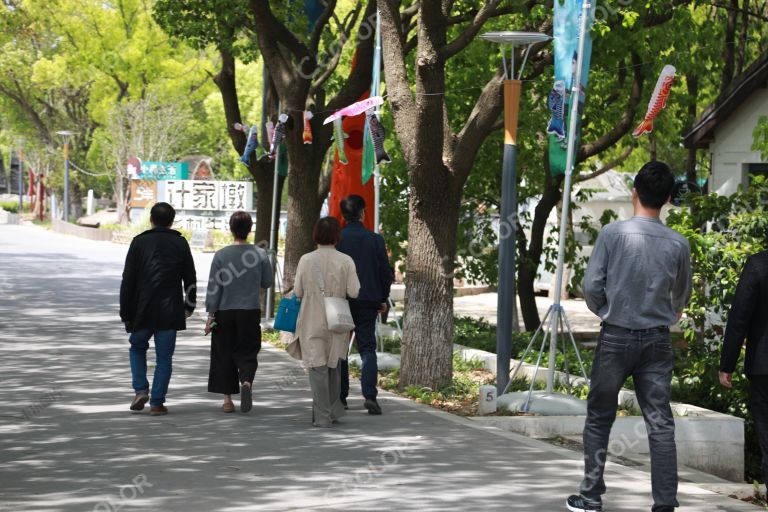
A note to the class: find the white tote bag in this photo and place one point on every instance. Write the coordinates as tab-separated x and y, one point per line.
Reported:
337	312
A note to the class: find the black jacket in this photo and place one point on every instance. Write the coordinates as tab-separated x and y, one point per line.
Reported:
151	294
748	319
367	250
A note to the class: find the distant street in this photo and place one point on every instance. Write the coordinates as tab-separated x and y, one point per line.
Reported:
69	443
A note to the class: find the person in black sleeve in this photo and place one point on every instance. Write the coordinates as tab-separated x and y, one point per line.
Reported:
747	320
157	295
369	253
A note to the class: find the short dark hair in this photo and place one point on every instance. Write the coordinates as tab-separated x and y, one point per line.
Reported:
240	224
654	184
162	215
327	231
352	207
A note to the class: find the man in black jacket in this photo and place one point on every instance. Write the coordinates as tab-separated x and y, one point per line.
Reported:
748	319
153	302
369	253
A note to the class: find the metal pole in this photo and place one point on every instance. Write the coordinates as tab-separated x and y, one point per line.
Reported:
264	105
273	226
21	179
375	87
66	180
573	124
507	242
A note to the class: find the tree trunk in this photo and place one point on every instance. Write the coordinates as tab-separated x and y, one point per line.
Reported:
729	52
75	200
427	352
263	177
741	55
531	256
304	168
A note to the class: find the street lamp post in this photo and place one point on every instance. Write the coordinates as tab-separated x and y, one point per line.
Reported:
508	223
20	143
67	135
549	402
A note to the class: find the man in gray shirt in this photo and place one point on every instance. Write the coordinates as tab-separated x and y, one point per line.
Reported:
638	281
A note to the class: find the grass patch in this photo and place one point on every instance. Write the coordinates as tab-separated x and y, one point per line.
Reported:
272	337
460	397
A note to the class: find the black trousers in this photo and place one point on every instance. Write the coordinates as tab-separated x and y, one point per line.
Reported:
758	400
235	346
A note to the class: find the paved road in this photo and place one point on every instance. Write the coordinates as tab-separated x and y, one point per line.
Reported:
68	441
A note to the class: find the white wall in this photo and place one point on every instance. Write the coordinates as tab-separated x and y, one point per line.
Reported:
731	150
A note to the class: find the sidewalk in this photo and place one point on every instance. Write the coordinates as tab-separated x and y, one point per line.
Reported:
485	306
68	441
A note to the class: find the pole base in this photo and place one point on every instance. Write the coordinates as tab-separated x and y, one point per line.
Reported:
384	361
542	403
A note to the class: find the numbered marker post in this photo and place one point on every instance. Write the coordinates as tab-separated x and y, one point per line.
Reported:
487	404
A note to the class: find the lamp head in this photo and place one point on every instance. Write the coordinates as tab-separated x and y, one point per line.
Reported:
515	38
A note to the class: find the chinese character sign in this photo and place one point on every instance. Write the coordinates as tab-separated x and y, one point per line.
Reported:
159	170
207	195
143	193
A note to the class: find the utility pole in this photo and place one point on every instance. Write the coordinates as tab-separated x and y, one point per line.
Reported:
67	135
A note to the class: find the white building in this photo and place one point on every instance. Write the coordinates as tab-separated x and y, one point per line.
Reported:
726	130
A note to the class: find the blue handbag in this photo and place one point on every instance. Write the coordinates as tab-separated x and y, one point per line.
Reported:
287	314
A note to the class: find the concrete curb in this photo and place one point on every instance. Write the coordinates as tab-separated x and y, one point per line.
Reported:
95	234
7	217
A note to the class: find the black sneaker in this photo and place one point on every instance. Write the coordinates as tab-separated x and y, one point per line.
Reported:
576	503
663	509
246	397
373	406
344	403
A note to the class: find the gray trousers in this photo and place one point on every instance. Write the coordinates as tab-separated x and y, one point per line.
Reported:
646	355
326	388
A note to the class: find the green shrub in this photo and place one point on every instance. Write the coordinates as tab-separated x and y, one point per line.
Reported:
10	206
739	228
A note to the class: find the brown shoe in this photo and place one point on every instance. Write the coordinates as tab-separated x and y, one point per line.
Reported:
228	407
139	401
158	410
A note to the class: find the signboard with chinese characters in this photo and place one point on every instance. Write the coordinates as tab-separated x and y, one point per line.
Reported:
143	193
203	223
159	170
207	195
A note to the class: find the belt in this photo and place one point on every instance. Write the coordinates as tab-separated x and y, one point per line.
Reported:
650	330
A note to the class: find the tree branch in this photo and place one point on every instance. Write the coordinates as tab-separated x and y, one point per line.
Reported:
607	167
31	113
468	35
272	35
322	21
393	56
331	64
625	123
225	80
480	123
360	77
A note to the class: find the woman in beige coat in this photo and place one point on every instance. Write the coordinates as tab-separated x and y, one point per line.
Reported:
322	349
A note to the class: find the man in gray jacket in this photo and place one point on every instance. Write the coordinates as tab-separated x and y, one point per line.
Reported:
638	281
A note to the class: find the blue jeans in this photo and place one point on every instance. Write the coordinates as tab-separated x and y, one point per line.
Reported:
165	343
646	355
365	340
